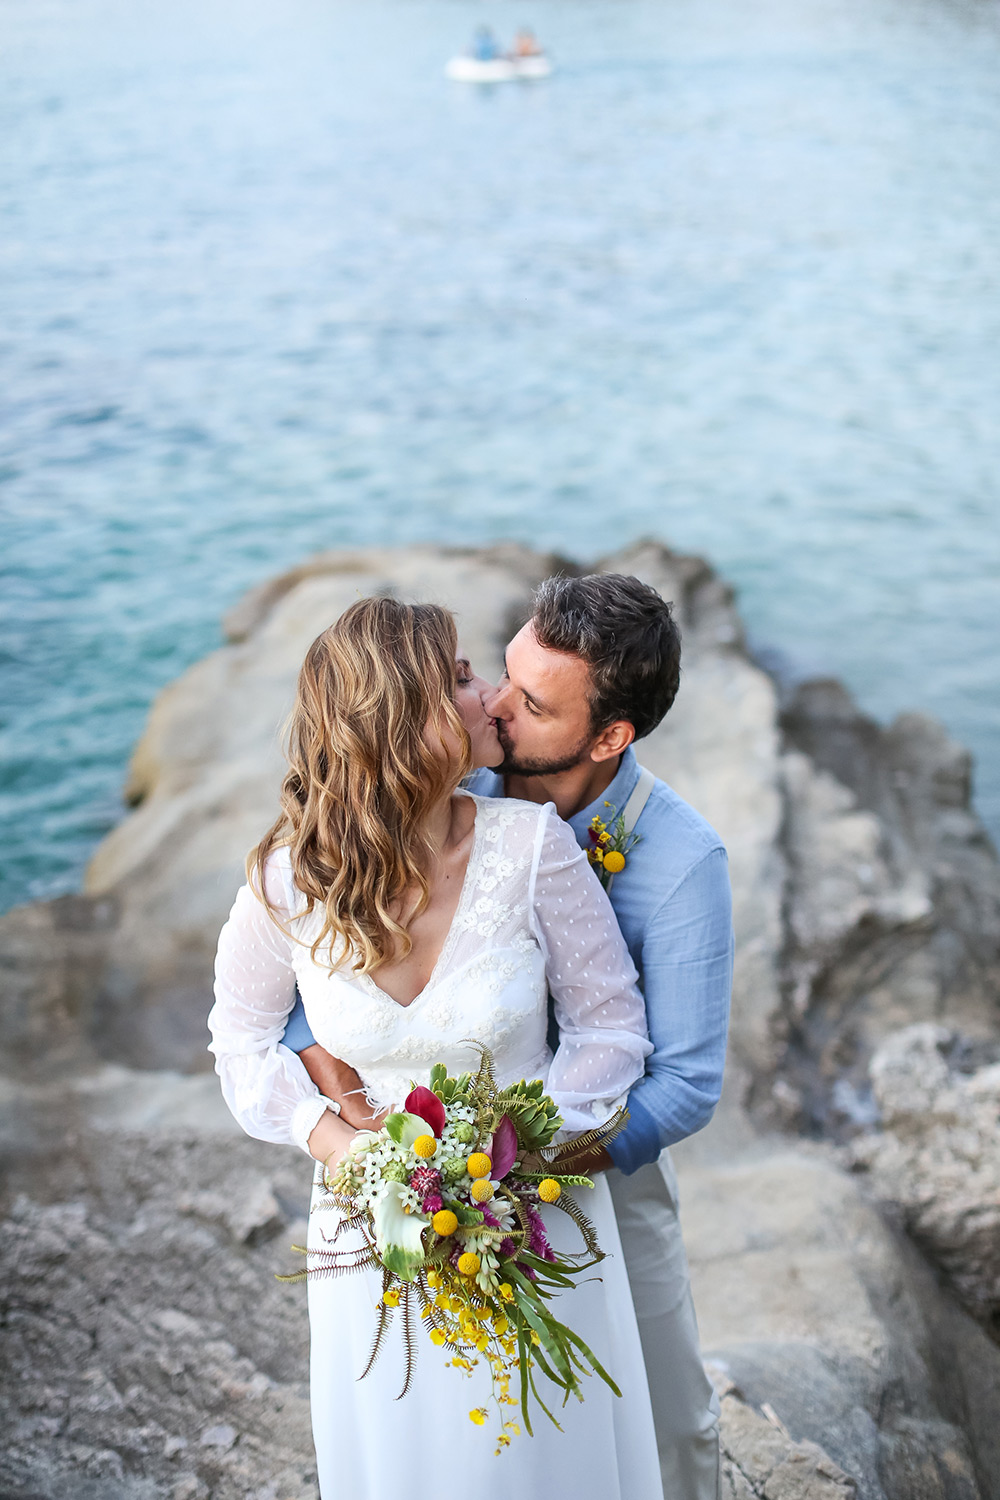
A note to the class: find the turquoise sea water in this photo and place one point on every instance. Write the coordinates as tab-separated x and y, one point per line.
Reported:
270	283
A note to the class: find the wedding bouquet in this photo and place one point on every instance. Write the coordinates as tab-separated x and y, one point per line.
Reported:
446	1197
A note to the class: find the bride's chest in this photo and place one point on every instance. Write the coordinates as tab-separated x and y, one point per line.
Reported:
490	998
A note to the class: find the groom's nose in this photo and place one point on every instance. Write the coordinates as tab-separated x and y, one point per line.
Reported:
493	701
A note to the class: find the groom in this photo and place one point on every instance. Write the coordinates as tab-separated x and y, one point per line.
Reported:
596	667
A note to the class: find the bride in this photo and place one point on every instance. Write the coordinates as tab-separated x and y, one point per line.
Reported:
415	917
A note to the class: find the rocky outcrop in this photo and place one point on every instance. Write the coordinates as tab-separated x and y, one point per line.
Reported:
153	1355
821	1313
149	1353
893	909
935	1161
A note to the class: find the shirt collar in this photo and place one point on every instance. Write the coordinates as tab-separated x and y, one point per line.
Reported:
617	794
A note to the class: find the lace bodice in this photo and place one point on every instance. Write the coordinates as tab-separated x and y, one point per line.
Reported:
531	918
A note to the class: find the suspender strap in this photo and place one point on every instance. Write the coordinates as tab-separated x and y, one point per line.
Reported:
639	798
634	806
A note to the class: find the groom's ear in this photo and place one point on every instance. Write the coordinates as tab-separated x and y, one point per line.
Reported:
613	741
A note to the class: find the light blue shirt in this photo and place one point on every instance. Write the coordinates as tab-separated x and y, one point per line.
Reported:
674	907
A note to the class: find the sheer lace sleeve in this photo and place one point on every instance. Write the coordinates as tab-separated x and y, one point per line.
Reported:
265	1085
603	1040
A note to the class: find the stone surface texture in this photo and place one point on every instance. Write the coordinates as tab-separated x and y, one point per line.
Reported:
936	1158
840	1211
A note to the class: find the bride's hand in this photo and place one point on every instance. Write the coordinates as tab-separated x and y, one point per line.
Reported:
330	1138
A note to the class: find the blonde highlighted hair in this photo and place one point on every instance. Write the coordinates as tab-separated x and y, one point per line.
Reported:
375	741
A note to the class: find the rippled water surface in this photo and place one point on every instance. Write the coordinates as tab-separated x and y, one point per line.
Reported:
271	284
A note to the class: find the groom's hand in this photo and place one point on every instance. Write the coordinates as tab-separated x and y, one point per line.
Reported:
338	1081
587	1163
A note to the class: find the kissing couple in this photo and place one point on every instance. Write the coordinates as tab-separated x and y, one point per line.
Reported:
427	884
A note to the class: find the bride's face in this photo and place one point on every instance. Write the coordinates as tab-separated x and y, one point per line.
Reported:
469	697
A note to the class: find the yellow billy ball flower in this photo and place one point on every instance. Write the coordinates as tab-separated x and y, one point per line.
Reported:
549	1190
482	1190
614	861
444	1222
425	1145
478	1164
391	1297
469	1263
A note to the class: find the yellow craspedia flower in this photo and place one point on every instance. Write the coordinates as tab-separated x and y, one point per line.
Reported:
425	1145
438	1336
478	1415
478	1164
469	1263
614	861
391	1297
482	1190
444	1222
506	1291
549	1190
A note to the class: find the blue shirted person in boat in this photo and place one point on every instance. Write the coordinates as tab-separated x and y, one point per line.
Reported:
485	47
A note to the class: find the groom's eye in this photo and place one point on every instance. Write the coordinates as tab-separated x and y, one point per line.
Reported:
533	711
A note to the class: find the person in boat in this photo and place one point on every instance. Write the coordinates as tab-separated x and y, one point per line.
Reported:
526	43
485	47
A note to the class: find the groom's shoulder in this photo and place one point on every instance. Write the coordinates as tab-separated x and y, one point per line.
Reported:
676	828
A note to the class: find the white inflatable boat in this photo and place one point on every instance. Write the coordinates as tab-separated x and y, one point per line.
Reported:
498	69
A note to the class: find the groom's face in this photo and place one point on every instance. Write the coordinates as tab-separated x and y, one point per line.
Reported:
542	708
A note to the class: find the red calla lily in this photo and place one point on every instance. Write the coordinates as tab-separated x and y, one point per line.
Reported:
503	1149
428	1106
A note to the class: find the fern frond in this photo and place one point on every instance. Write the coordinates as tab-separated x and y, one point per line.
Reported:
569	1205
599	1135
408	1344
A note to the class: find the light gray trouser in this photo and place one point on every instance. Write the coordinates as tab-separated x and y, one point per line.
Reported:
685	1406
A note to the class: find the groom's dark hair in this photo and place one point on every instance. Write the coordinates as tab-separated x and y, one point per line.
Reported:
627	635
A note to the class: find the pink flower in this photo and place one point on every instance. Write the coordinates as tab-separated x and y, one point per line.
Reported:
428	1106
538	1243
503	1148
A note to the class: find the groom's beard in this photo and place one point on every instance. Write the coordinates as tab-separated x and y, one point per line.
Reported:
514	765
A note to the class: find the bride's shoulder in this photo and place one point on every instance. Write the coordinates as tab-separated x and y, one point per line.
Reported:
283	896
509	810
512	823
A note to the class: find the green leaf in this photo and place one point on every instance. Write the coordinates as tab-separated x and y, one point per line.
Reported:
404	1128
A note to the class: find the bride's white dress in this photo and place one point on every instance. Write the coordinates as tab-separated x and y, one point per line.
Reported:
531	918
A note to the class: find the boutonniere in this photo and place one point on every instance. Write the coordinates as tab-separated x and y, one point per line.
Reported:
609	847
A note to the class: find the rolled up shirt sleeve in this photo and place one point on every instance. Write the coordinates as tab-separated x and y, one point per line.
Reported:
686	977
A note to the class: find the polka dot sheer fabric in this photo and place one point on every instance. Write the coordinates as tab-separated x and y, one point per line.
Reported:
532	919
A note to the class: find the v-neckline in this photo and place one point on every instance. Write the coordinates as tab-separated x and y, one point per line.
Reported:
452	933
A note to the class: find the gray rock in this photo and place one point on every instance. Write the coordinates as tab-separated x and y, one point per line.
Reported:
812	1306
936	1160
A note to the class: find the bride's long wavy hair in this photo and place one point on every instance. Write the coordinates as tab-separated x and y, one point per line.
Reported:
375	741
